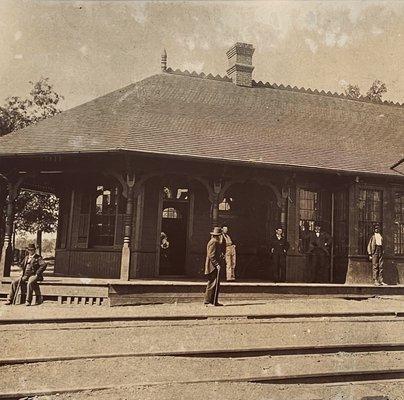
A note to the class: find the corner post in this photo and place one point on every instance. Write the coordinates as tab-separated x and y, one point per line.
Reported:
126	249
6	252
215	200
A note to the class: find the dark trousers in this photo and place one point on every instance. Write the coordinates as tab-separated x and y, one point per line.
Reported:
279	265
31	284
377	264
319	260
212	288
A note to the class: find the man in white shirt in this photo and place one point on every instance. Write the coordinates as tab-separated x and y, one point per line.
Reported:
230	254
375	251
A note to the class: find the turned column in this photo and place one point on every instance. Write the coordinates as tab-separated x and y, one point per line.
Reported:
6	252
128	221
215	199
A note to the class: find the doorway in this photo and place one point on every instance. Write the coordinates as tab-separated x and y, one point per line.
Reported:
174	231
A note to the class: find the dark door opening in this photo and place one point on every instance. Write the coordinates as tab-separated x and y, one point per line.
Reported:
174	231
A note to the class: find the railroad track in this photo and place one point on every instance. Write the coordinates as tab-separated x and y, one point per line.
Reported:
198	317
153	353
259	368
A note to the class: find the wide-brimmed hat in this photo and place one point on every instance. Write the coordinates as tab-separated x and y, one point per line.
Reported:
217	231
31	246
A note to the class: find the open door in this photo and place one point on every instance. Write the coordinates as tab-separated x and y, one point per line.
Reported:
174	232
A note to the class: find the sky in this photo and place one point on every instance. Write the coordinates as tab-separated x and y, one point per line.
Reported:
89	48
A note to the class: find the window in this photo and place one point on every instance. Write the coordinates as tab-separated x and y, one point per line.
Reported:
225	205
341	223
398	224
105	206
309	215
370	213
171	213
171	193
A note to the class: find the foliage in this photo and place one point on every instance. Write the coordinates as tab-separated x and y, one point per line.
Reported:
48	245
42	102
352	91
375	92
36	212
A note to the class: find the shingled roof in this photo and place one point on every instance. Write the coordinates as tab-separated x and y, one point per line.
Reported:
194	116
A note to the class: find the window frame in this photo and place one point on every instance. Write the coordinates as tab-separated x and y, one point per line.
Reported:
119	209
365	233
398	222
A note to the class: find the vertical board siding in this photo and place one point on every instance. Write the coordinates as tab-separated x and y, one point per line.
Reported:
146	262
200	232
61	262
95	264
63	221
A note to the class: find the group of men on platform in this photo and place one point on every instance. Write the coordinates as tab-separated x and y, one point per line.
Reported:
221	252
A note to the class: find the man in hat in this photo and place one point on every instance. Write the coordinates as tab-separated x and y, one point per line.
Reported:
279	246
32	267
319	250
214	259
230	254
375	251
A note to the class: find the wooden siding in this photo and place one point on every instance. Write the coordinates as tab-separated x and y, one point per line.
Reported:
63	221
62	260
146	261
95	264
201	226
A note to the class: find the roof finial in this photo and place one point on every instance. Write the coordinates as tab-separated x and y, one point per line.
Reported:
164	60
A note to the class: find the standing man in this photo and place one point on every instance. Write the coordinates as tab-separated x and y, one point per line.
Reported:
230	254
279	246
319	250
375	251
32	267
214	257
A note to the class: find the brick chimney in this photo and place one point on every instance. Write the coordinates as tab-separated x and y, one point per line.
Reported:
240	64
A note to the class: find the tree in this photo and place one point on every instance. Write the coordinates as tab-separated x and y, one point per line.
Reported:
35	212
375	92
42	102
352	91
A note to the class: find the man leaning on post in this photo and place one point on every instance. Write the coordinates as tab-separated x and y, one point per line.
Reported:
214	260
32	267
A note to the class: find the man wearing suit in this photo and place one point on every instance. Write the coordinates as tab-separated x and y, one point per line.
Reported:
279	246
375	251
214	260
32	267
319	250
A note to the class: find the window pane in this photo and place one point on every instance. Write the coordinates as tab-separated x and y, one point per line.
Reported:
106	203
398	236
310	214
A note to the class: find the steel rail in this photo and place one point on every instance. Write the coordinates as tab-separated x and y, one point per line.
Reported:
222	353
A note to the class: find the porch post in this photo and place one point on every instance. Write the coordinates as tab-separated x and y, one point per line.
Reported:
6	253
126	249
215	200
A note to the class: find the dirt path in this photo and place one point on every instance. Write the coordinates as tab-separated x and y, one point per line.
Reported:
20	343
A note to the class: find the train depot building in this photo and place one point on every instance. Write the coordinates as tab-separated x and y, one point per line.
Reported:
180	152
